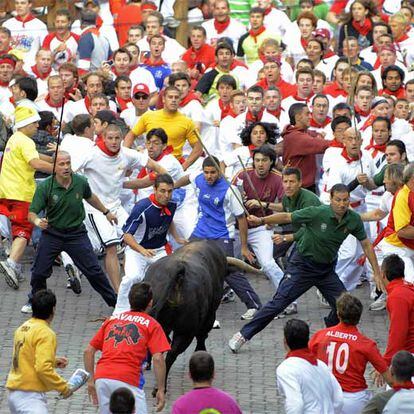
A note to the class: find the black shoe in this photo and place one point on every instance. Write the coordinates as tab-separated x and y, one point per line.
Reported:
73	279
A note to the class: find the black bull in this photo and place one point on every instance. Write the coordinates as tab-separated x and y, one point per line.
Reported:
187	290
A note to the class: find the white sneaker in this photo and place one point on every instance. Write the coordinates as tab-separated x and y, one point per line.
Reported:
27	308
9	274
379	304
236	342
292	309
323	302
248	315
372	291
73	278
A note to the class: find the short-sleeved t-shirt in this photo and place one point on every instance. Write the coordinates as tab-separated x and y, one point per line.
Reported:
64	207
347	351
322	234
178	127
208	400
17	176
124	341
217	208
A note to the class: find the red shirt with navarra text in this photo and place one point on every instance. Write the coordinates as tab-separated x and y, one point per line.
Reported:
347	351
124	341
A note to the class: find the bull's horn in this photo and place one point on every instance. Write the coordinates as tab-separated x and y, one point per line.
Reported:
242	265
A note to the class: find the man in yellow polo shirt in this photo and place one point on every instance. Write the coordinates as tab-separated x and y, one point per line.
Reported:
178	127
399	233
17	186
33	373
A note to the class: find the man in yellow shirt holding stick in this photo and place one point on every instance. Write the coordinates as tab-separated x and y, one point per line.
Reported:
34	360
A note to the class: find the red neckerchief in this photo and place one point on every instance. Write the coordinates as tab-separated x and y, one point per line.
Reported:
115	72
402	38
303	353
303	42
377	63
250	118
4	84
101	145
164	209
336	144
298	98
39	75
149	62
329	53
99	139
51	104
364	28
348	158
87	101
70	91
268	10
251	149
370	120
191	96
407	385
123	103
221	26
359	111
377	148
255	33
92	30
399	93
276	112
99	21
133	67
231	113
28	18
225	108
315	124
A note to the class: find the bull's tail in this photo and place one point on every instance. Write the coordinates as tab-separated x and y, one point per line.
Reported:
164	292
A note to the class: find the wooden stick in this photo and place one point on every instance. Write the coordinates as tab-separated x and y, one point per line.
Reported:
256	195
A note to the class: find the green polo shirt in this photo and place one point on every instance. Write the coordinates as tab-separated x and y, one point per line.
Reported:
304	198
323	234
64	209
379	177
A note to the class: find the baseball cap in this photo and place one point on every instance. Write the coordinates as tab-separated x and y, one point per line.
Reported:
23	116
95	2
141	88
322	33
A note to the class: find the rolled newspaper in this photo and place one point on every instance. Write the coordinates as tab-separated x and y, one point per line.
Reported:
77	380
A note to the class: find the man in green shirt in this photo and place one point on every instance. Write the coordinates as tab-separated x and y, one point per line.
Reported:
61	196
313	261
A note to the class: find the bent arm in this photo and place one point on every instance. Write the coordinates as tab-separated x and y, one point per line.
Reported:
155	166
89	361
183	181
374	215
159	370
94	201
194	155
278	218
41	165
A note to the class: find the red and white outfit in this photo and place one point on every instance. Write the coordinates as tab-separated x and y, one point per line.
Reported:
295	98
52	42
286	71
41	78
308	385
27	35
82	106
47	105
231	28
142	75
227	125
344	170
204	56
329	158
277	21
124	342
347	352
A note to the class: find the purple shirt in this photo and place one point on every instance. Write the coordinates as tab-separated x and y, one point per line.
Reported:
200	399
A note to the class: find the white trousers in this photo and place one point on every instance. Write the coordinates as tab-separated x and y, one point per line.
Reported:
260	240
354	402
135	267
104	389
27	402
405	253
347	268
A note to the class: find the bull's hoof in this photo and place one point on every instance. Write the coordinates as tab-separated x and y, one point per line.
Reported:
154	392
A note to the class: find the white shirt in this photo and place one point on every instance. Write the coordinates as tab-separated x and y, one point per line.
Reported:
142	75
227	125
307	388
286	72
172	52
27	37
342	171
401	402
106	173
277	21
77	147
331	155
74	108
44	106
232	162
234	31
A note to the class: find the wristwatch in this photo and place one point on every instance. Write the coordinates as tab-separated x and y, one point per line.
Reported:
106	212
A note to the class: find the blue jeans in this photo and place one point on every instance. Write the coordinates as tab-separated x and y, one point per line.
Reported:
301	274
